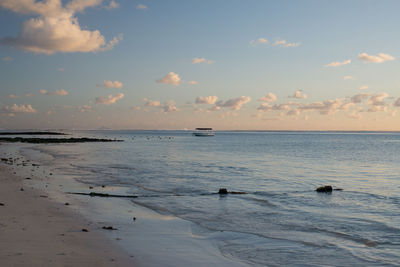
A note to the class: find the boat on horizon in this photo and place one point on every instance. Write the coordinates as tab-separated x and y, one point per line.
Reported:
203	132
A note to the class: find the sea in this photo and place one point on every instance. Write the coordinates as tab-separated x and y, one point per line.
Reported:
280	220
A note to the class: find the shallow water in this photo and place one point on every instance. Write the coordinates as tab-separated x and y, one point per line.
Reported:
282	220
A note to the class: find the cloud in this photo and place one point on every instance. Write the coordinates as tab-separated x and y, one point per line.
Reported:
192	82
169	107
358	98
337	63
8	59
112	5
206	100
18	109
151	103
364	87
198	60
235	103
85	108
348	77
397	103
111	84
12	96
259	41
141	7
111	99
380	58
55	29
277	107
299	95
270	97
170	78
377	99
284	43
61	92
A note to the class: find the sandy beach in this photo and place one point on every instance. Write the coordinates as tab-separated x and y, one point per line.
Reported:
35	231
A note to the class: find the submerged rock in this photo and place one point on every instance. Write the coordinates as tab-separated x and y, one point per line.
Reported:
324	189
222	191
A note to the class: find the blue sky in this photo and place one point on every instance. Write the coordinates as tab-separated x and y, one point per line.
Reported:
156	38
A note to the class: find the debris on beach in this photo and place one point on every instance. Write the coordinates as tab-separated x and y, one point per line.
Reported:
109	228
85	230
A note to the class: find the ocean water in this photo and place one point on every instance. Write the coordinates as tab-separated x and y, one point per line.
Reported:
281	220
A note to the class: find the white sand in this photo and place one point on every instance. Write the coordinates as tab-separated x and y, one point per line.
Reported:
34	231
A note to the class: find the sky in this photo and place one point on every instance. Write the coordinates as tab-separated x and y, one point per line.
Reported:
229	64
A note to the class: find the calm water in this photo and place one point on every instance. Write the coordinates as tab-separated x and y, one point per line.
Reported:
281	221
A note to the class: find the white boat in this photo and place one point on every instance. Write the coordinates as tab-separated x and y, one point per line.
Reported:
203	132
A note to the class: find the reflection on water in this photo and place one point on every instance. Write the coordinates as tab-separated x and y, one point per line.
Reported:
281	221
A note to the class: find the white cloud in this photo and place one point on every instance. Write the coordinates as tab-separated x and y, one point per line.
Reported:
397	103
198	60
8	59
270	97
111	99
206	100
169	107
112	5
377	99
277	107
192	82
61	92
380	58
364	87
111	84
284	43
19	109
151	103
141	6
358	98
12	96
85	108
337	63
348	77
170	78
259	41
55	29
299	95
235	103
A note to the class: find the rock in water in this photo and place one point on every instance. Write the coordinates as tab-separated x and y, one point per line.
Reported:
324	189
222	191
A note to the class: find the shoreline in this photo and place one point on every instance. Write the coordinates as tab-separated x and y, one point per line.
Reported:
152	239
37	231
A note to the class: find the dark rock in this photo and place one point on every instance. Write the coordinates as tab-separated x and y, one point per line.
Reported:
222	191
27	178
324	189
90	187
2	204
85	230
134	218
66	204
22	189
109	228
4	159
338	189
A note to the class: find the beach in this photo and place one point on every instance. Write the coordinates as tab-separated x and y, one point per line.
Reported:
43	224
36	231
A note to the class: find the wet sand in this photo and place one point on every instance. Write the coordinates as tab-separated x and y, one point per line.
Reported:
36	231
